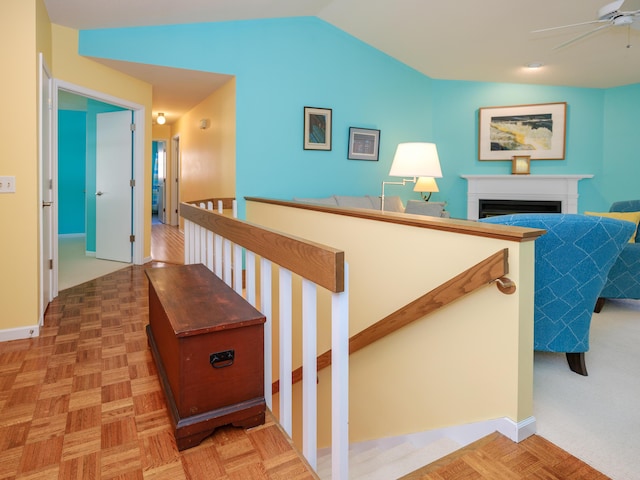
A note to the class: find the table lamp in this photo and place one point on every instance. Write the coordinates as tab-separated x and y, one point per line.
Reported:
426	184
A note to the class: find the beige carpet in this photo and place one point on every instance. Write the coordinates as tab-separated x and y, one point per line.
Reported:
596	418
75	267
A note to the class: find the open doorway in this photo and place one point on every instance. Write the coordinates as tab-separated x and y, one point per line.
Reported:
88	131
82	185
159	193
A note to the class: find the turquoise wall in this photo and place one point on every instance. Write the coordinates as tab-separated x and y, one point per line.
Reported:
77	170
281	65
621	158
72	127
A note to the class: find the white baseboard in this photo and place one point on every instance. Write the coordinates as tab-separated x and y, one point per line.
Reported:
147	260
463	435
466	434
517	431
19	333
89	253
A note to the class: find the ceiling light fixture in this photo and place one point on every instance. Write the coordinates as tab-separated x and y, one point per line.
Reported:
161	120
535	65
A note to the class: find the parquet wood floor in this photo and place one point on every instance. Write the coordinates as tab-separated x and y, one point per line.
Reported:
497	457
83	401
167	244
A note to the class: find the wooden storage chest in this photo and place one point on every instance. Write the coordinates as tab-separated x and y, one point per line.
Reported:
207	343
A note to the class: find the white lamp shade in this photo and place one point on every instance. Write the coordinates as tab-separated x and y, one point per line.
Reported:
416	160
161	120
426	184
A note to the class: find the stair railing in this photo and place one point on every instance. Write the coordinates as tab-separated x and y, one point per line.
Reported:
227	246
491	269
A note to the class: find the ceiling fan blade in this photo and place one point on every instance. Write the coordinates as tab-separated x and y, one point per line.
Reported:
569	26
608	10
580	37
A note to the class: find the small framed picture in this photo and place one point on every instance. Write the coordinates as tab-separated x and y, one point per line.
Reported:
364	144
317	128
520	164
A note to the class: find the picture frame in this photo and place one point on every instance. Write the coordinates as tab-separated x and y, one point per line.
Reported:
538	131
317	128
364	144
521	165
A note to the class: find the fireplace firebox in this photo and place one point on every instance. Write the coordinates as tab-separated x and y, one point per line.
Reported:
523	188
491	208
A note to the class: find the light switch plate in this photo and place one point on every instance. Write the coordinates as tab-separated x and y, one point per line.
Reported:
8	184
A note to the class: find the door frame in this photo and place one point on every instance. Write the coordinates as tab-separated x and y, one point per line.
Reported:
45	147
175	183
139	114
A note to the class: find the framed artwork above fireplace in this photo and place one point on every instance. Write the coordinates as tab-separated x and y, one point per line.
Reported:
537	131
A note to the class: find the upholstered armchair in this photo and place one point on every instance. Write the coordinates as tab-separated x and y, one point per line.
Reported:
624	277
572	261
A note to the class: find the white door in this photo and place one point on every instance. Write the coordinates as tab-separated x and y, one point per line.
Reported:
162	182
46	193
114	156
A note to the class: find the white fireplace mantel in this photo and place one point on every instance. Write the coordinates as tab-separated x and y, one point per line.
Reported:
563	188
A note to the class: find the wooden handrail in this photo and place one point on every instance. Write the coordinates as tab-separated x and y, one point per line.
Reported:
318	263
488	270
464	227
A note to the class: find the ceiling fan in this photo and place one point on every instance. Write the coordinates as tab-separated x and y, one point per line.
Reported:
608	16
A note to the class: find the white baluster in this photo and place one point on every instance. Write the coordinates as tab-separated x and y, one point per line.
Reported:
187	241
203	241
309	373
285	350
340	381
265	308
237	269
217	256
250	268
210	240
226	263
192	243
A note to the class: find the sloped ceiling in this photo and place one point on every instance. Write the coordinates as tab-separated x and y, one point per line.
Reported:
456	40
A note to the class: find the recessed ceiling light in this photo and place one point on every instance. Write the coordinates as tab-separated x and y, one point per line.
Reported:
535	65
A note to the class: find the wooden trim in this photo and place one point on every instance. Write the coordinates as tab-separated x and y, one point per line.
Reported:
484	272
465	227
318	263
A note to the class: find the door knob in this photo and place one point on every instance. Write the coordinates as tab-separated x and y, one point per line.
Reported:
98	194
47	204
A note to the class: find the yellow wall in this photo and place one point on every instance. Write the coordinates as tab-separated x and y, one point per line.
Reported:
86	73
208	155
43	32
19	157
471	361
25	30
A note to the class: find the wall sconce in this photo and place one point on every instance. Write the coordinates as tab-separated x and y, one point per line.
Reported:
413	160
161	120
204	123
426	184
